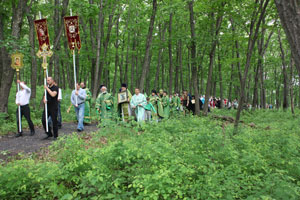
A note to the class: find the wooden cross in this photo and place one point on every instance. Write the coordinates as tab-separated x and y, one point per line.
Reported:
44	53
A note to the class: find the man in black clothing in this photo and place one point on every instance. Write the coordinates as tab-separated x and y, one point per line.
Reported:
52	106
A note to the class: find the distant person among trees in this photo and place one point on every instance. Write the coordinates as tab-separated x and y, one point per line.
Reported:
150	110
166	105
155	101
124	108
175	103
52	106
87	104
104	104
22	100
78	100
137	102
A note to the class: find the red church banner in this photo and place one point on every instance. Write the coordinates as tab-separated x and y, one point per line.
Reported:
42	32
72	31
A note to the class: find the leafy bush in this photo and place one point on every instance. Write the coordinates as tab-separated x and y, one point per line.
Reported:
185	158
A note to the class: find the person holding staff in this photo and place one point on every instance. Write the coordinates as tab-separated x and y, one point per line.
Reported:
78	98
52	107
22	100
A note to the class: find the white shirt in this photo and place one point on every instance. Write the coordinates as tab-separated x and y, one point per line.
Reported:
23	96
59	98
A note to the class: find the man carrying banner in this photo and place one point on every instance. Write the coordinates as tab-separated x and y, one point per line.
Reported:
87	104
22	100
78	98
52	106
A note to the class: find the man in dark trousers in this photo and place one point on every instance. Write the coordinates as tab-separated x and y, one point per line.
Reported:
52	106
22	100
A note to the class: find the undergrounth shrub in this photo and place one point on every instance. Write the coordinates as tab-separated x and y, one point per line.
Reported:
184	158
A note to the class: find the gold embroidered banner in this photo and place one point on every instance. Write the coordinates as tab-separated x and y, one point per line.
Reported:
72	31
42	32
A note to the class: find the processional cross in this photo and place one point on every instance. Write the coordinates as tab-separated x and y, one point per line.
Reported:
44	53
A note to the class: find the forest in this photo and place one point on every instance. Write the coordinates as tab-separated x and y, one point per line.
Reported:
237	49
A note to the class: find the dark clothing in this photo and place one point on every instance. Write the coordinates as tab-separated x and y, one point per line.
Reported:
52	102
52	106
53	114
25	110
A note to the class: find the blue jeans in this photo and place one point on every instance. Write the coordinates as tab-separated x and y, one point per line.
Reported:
80	116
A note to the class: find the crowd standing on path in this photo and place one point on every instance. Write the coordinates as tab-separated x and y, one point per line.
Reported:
139	107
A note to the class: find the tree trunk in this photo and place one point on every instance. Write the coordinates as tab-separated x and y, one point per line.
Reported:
116	57
30	19
215	33
289	14
220	79
7	72
170	54
292	85
253	34
148	46
193	56
98	52
284	72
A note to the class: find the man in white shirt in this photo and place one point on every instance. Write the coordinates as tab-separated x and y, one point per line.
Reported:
22	100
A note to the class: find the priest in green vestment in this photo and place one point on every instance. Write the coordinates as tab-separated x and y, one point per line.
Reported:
104	104
156	102
124	108
138	102
87	104
166	105
175	103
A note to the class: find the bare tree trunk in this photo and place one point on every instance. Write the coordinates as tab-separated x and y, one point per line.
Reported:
215	32
98	53
289	14
170	54
148	46
292	85
284	72
30	19
180	66
116	57
253	34
220	79
193	56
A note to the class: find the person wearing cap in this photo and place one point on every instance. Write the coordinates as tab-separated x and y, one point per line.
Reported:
138	102
124	108
104	104
87	104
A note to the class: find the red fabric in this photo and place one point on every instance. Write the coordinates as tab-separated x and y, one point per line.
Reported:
72	31
41	29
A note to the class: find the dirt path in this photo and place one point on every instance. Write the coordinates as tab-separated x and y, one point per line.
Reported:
11	146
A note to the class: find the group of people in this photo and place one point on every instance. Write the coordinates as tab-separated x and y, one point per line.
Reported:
80	99
155	107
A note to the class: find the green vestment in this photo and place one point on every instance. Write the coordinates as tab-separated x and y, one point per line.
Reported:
87	107
104	105
166	106
125	109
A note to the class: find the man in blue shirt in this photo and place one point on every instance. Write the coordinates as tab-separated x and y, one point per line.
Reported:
78	98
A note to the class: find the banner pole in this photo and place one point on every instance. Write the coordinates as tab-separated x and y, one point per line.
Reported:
19	107
74	65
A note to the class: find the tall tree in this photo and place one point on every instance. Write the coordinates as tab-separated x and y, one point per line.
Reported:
148	46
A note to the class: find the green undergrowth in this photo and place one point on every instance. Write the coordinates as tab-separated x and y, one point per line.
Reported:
183	158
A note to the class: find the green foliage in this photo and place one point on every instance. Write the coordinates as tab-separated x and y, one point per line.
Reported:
184	158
